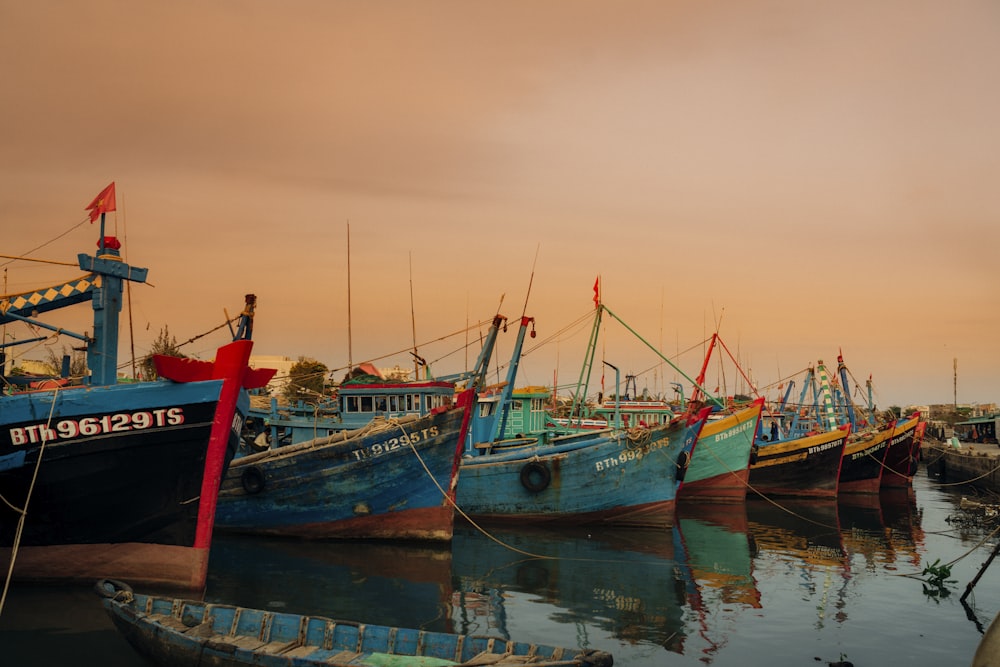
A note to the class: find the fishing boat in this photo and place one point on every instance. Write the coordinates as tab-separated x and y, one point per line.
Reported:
866	449
800	467
174	632
108	478
902	454
393	478
621	476
719	467
864	460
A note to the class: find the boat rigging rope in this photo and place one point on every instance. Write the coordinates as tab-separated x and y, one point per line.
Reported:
25	257
27	499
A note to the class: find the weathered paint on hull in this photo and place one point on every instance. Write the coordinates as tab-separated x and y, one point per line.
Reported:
388	481
719	463
864	462
424	523
901	459
806	467
599	478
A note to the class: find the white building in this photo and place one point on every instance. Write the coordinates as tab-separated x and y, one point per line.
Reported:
280	363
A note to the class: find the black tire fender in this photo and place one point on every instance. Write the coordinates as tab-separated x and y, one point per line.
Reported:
112	588
683	459
252	480
535	476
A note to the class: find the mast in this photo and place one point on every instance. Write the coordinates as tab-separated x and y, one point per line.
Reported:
700	380
413	325
848	403
802	399
515	360
112	271
824	385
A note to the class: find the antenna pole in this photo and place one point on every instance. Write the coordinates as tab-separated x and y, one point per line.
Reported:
413	324
350	353
524	311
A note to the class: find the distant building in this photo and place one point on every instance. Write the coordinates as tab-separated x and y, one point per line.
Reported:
280	363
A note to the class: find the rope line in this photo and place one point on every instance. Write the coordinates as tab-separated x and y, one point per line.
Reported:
27	499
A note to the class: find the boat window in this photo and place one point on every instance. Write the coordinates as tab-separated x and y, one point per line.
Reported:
516	406
394	404
409	402
380	404
350	403
366	404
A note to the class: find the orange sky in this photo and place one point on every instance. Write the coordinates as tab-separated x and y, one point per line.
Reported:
817	175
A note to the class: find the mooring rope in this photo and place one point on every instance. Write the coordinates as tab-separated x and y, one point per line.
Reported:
451	501
967	481
27	499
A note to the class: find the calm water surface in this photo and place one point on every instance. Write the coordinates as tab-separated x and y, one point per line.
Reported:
803	583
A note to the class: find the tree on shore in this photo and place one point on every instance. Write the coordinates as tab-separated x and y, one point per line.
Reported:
164	344
306	380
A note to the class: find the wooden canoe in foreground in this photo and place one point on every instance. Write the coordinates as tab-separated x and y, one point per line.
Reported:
188	633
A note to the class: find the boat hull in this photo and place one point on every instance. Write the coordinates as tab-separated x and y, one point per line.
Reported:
864	462
901	457
804	467
719	468
391	480
118	491
622	478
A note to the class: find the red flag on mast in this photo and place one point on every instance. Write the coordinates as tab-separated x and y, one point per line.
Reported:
102	203
597	292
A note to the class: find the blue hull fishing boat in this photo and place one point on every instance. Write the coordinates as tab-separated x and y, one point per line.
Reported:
108	479
621	476
392	478
189	633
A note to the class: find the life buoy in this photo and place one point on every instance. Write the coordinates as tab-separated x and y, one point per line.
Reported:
682	465
252	480
535	476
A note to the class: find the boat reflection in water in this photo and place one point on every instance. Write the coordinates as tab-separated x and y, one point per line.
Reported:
396	584
719	563
833	546
800	554
648	587
882	531
628	583
726	584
